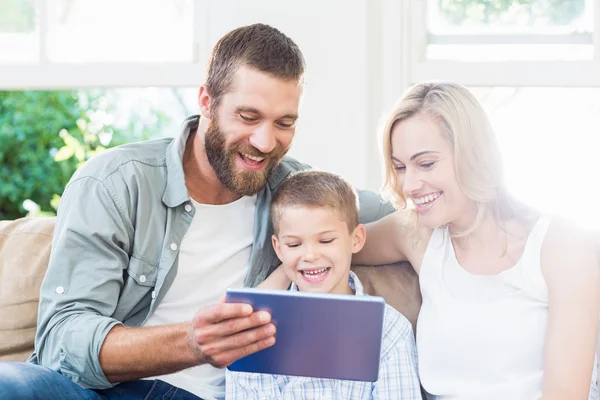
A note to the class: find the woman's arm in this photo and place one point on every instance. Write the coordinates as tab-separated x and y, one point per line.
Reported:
570	267
393	238
277	280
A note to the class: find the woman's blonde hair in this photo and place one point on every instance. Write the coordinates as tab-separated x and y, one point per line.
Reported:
477	158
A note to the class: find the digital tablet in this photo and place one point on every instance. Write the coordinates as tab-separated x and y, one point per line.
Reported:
318	335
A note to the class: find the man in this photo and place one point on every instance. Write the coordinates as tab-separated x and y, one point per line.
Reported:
149	236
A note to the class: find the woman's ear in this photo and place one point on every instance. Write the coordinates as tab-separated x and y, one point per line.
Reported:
358	238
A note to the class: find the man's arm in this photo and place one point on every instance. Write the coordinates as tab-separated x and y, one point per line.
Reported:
218	335
77	335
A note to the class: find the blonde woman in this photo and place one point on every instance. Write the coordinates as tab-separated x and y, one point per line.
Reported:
510	296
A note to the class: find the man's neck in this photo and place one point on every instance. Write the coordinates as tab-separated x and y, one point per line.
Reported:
200	178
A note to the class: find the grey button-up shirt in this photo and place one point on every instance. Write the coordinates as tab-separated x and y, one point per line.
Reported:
115	248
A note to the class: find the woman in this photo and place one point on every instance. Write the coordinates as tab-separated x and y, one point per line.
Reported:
510	297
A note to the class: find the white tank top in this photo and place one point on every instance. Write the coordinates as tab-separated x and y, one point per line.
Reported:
482	337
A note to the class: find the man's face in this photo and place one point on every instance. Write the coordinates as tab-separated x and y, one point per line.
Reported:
251	129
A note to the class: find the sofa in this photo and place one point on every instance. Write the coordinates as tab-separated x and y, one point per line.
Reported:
25	248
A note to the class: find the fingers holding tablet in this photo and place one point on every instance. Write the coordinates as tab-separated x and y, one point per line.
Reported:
225	332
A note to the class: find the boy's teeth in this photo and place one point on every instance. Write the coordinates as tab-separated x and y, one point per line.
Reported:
315	272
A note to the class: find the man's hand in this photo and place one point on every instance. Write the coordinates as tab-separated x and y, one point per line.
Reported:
226	332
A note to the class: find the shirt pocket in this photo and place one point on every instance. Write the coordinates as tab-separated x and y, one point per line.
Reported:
139	280
141	272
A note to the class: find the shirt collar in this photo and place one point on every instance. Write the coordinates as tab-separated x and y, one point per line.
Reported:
353	281
176	192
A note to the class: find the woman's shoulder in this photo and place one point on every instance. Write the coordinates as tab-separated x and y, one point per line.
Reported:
569	249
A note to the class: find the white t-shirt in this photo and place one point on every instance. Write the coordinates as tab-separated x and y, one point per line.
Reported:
214	255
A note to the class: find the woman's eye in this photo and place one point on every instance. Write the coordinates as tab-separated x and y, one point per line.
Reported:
399	167
427	165
292	245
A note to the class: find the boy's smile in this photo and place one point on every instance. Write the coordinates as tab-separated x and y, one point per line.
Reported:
315	247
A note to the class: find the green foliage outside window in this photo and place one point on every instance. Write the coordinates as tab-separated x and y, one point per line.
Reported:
556	12
46	135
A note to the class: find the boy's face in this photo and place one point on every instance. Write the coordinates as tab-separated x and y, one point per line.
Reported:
315	248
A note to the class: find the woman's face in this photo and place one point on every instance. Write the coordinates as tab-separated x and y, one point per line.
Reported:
424	162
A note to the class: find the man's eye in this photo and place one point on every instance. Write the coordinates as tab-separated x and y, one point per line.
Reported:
286	125
247	118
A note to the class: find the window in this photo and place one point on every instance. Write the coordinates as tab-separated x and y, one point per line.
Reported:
92	43
535	66
510	30
549	139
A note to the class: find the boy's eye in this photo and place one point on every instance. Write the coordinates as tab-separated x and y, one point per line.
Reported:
327	241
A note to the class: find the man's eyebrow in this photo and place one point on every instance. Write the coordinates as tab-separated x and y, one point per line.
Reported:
248	109
423	152
253	110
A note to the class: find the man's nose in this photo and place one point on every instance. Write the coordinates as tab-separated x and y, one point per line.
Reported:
263	138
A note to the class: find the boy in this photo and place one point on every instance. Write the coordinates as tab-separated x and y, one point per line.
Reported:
315	220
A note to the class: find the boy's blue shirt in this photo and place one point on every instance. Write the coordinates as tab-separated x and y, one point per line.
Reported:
398	372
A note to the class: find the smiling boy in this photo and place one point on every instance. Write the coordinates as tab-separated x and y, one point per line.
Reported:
315	219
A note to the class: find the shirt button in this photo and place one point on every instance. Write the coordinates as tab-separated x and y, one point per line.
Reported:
188	208
154	294
142	278
60	290
173	246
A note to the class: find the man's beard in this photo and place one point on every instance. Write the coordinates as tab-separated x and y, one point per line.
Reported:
222	160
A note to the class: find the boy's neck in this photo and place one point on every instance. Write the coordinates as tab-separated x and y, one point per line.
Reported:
343	287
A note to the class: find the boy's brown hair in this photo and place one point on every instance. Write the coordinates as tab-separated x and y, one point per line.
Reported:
317	189
259	46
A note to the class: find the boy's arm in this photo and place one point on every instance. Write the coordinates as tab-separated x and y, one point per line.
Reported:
398	369
248	386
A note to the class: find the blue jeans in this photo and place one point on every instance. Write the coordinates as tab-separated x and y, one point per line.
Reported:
24	381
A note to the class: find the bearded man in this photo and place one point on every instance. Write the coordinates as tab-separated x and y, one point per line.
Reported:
150	235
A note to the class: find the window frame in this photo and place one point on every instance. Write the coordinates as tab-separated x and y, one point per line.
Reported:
548	73
46	75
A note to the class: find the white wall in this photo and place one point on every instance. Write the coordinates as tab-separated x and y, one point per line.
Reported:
340	41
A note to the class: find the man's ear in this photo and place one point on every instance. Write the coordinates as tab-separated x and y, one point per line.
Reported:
276	247
358	238
204	101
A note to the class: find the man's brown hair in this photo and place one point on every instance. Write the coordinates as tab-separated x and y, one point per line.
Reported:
259	46
316	189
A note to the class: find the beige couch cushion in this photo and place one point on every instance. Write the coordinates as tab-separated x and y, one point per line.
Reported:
24	251
398	284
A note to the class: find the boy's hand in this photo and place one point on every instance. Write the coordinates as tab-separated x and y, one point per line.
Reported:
226	332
